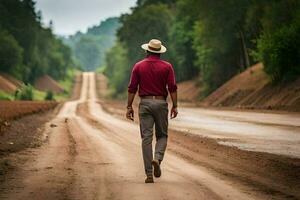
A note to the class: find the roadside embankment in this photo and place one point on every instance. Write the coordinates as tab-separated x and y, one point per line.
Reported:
251	89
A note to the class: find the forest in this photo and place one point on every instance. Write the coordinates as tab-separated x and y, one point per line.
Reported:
207	41
210	41
89	48
28	48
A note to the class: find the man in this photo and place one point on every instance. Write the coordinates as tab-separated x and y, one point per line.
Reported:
153	78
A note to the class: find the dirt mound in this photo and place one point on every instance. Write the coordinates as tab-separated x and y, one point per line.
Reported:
46	83
6	85
188	91
15	109
253	89
13	80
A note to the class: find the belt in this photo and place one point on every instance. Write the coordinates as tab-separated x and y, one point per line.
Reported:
153	97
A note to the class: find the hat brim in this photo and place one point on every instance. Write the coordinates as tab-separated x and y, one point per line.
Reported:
163	49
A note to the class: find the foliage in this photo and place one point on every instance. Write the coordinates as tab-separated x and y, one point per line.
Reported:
280	53
38	95
89	48
117	69
49	96
10	54
67	84
29	49
278	46
148	2
25	92
151	21
87	51
28	93
143	24
5	96
211	39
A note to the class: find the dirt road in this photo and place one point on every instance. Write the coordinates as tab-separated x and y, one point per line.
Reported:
264	132
91	154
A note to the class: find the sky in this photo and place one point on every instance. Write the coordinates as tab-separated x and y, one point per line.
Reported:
70	16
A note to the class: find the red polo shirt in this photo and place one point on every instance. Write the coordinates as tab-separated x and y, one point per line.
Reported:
153	77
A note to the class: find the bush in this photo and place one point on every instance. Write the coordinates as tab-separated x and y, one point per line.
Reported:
5	96
49	96
280	53
25	92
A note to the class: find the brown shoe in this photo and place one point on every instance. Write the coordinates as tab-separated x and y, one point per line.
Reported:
157	170
149	179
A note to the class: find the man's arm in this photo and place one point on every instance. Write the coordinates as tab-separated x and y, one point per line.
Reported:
132	89
130	112
172	87
174	111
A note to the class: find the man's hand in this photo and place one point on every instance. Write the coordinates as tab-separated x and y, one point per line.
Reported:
130	113
174	112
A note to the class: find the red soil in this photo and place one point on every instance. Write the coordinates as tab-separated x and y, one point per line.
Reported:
46	83
253	89
6	85
15	109
188	91
13	80
250	89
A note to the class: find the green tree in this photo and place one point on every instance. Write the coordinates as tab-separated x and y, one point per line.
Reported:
49	96
211	40
117	69
87	51
10	55
35	49
25	93
89	48
214	39
145	23
278	44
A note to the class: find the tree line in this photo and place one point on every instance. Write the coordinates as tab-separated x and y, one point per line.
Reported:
213	40
89	48
28	48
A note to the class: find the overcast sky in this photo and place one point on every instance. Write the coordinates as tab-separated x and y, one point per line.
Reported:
69	16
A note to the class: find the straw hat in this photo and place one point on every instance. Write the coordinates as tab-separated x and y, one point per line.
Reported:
154	46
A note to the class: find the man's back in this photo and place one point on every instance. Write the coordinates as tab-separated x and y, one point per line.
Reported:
152	75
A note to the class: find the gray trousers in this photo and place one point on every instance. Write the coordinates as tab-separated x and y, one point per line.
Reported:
153	112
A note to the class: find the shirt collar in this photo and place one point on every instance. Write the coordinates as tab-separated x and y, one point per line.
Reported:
153	57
